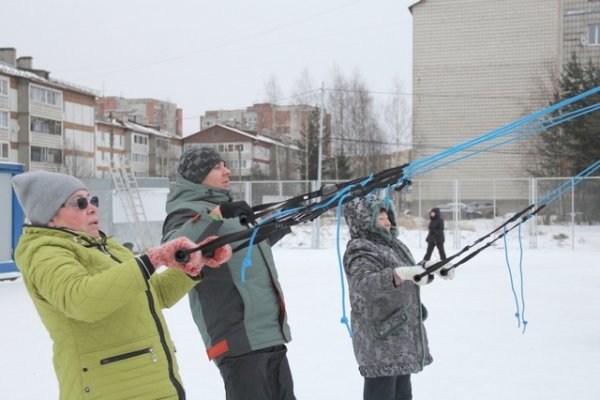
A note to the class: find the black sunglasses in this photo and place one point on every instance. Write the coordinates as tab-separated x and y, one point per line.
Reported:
82	202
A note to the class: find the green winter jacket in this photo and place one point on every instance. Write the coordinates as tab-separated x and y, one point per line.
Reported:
110	340
233	317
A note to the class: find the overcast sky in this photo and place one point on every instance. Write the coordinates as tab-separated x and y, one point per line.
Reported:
206	55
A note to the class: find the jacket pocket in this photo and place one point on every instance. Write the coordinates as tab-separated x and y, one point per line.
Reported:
391	326
131	354
137	369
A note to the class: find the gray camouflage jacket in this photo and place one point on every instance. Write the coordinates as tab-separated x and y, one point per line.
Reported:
388	335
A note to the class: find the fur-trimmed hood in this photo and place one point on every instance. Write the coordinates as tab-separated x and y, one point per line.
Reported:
361	217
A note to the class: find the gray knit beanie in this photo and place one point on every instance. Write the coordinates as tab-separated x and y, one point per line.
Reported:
42	193
196	162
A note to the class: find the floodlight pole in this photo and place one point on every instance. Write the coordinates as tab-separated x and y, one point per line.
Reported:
317	223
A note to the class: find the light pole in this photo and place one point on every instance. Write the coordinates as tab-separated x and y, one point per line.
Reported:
239	149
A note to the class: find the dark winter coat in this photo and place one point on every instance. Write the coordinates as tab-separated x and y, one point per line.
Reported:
436	228
110	340
233	317
388	335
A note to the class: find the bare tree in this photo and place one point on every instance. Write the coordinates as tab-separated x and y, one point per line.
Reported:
337	105
273	92
76	161
305	89
366	140
396	119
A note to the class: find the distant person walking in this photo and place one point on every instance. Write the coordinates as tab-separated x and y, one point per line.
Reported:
435	237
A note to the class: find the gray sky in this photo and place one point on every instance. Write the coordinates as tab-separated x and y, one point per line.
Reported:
205	55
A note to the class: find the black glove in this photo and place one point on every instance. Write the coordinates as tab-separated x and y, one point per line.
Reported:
237	209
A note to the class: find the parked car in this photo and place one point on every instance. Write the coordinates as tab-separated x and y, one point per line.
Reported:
479	209
447	210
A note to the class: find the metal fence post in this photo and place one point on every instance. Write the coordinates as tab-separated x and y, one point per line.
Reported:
456	217
533	221
420	214
248	192
316	224
572	215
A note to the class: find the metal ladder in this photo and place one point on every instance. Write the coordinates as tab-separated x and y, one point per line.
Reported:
127	190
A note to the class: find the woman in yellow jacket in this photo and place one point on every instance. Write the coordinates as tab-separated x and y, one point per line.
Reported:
100	304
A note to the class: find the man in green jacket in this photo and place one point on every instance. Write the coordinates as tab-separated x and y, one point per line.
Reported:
243	324
100	304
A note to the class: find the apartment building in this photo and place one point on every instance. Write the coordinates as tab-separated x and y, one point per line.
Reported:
51	124
287	124
481	64
248	154
581	30
161	114
45	123
150	152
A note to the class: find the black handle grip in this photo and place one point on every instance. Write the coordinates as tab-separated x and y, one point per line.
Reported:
422	275
182	256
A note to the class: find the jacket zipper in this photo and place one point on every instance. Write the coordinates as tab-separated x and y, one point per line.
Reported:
163	342
132	354
421	329
161	334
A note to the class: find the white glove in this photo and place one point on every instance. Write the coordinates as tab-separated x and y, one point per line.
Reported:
411	273
446	272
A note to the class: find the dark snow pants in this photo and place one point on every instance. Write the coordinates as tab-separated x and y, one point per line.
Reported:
263	374
388	388
430	247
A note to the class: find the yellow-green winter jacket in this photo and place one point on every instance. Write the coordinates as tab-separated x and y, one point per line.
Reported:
110	340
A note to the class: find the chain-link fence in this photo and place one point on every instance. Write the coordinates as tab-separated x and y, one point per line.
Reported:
463	200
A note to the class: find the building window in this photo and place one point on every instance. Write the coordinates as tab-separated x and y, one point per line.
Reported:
3	151
3	119
593	35
3	87
157	114
140	139
45	96
234	165
137	157
162	144
43	125
47	155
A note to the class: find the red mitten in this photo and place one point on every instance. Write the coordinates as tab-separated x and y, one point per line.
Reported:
165	255
220	255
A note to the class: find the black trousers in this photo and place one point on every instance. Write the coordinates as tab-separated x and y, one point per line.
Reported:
388	388
430	247
260	375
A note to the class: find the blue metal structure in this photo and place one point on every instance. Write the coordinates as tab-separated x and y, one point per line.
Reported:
7	262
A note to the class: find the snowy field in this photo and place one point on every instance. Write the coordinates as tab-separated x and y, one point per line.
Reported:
479	351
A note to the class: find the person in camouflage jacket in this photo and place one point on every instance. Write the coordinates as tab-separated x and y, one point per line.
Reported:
388	334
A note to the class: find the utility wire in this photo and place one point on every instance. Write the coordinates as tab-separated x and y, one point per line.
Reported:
227	43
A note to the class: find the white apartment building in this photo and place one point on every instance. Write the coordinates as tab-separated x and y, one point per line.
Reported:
45	123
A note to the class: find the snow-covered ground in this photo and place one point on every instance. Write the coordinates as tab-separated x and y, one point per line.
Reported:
479	351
